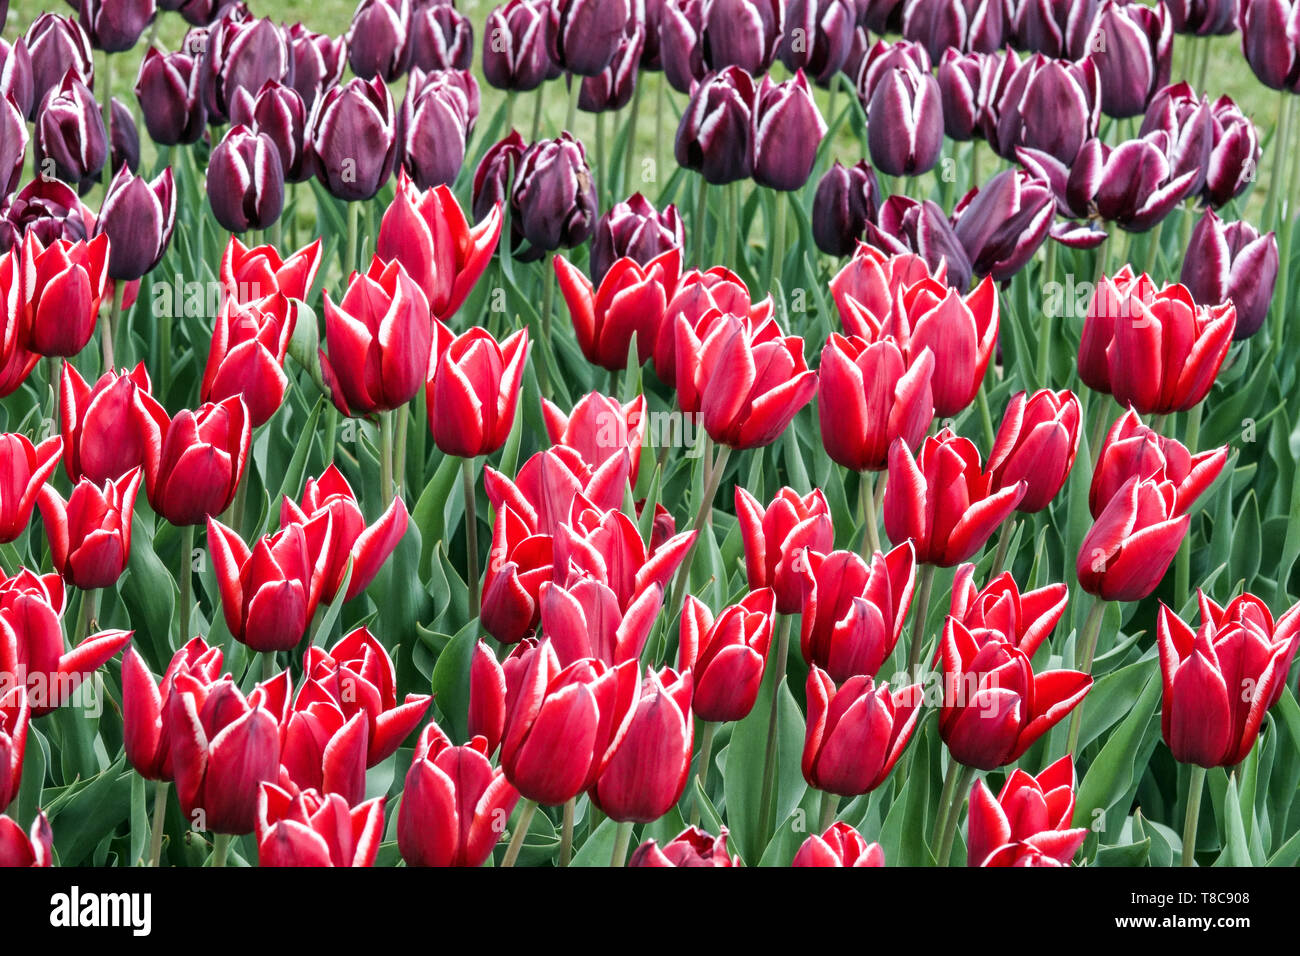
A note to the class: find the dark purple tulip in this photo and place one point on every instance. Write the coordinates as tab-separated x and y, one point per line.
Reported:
1054	28
742	33
654	14
242	54
959	77
277	111
1234	156
515	57
818	37
70	132
124	139
1133	48
634	230
681	47
908	225
1002	224
16	74
859	47
202	13
1203	18
716	134
584	35
245	180
167	88
57	44
138	216
1186	119
1232	262
905	123
442	38
437	118
846	202
353	138
379	40
884	57
788	129
612	88
48	210
318	62
495	173
554	199
13	145
880	16
1048	105
114	26
1270	39
973	26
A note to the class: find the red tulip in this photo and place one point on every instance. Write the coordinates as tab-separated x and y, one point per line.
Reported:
943	500
15	716
727	655
146	706
870	283
598	428
69	280
778	540
1036	443
16	360
1024	620
631	300
90	533
691	847
455	804
249	274
646	775
246	358
472	390
550	482
697	295
520	562
582	619
1030	811
321	748
1253	614
311	829
857	733
24	468
193	463
853	612
102	439
26	849
487	697
1131	449
840	845
994	705
1133	541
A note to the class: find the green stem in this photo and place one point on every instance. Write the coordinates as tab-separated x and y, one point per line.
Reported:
566	834
186	582
945	800
767	797
399	447
1045	331
830	803
918	622
467	476
701	213
602	174
1286	228
220	849
1183	562
354	227
708	729
539	101
629	147
575	91
1091	630
110	327
953	818
867	499
526	810
159	822
86	614
776	246
1153	248
510	111
386	456
661	102
1195	787
622	839
986	419
1004	545
106	106
269	665
1278	167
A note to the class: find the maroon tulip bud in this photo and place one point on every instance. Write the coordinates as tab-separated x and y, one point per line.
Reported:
716	134
1232	262
13	145
681	48
1054	28
856	733
905	226
1186	120
905	122
70	133
46	209
818	37
138	217
318	62
844	204
635	230
1001	224
880	16
882	58
612	87
437	118
245	182
114	26
1268	42
379	40
960	77
16	75
515	55
168	90
353	139
584	35
57	45
788	129
1235	155
1048	105
966	25
743	33
1132	46
242	53
277	111
442	38
554	198
202	13
494	176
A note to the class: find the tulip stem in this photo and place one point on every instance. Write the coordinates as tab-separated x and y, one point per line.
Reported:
776	243
1286	232
661	102
186	581
1091	630
1281	140
602	161
629	147
354	225
918	622
526	810
548	302
945	799
622	839
106	105
1045	331
467	476
220	849
701	213
867	496
1004	546
953	818
566	837
707	729
110	325
1195	786
268	665
830	804
159	822
1153	248
399	448
575	92
539	101
1183	562
986	419
777	666
86	614
386	456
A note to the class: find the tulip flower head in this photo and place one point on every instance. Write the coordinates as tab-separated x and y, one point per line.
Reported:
726	654
691	847
313	829
90	533
779	541
1029	814
839	845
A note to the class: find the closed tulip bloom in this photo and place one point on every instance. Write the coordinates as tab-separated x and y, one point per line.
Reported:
647	773
564	724
1219	681
920	228
318	62
167	88
1133	541
788	129
1267	40
442	38
1036	444
681	48
1131	449
146	704
1203	17
546	488
90	533
245	180
48	210
882	58
13	143
249	345
1056	28
437	119
612	88
855	733
853	610
67	286
905	123
138	216
840	845
223	745
194	462
1232	263
726	654
1025	620
1235	155
242	53
278	112
114	26
515	56
1132	45
473	390
631	300
635	230
353	137
521	561
321	748
995	707
16	79
1253	614
691	847
943	500
554	197
868	395
35	848
1052	106
743	33
1002	224
57	45
1187	120
1110	302
716	134
866	288
248	274
584	35
25	468
701	294
598	428
960	77
846	200
379	338
817	38
1032	811
778	541
70	131
313	829
15	717
101	439
967	25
